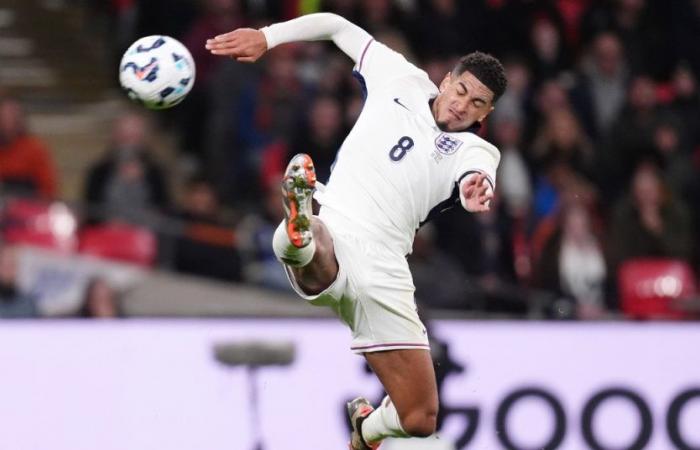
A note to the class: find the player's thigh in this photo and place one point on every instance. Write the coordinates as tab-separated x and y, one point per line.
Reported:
408	378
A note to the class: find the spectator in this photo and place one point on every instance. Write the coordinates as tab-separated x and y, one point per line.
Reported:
255	233
436	67
562	140
26	167
444	21
267	111
322	136
482	244
13	302
515	181
206	246
674	158
516	101
631	137
685	31
548	56
330	73
686	104
573	267
219	16
549	99
650	221
602	85
440	281
643	27
126	183
377	15
556	182
562	159
100	301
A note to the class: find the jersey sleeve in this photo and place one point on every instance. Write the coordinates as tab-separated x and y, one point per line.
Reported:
350	38
378	65
479	158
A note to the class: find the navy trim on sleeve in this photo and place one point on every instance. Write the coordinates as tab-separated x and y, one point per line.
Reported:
443	206
363	84
362	58
469	172
452	200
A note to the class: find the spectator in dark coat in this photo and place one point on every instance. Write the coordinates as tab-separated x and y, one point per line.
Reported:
599	94
650	221
631	137
126	183
206	246
686	103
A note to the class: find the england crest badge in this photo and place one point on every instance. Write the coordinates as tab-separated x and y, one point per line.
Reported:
447	144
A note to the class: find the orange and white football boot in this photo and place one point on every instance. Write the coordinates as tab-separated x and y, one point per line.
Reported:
298	186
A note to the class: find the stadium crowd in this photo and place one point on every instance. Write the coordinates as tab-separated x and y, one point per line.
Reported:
598	133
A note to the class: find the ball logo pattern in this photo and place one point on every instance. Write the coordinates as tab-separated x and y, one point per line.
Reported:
157	72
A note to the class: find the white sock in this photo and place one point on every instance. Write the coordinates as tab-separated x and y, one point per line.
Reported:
287	253
382	423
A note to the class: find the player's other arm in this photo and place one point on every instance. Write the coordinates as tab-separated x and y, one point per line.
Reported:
477	179
247	44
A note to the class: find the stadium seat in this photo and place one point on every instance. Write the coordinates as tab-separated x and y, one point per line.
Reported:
120	242
39	223
657	289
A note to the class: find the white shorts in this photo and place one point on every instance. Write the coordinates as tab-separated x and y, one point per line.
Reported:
372	293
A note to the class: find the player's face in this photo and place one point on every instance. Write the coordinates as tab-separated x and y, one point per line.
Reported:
462	101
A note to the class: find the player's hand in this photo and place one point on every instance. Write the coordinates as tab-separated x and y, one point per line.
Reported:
243	44
476	194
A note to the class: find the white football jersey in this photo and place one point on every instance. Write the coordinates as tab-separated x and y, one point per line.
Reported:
396	168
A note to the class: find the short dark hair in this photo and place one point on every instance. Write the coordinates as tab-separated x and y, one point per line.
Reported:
486	69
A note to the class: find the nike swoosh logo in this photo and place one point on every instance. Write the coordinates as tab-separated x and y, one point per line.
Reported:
396	100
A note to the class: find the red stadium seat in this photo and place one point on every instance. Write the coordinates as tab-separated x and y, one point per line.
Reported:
120	242
657	289
39	223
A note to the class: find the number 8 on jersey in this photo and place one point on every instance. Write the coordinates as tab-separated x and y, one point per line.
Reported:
399	150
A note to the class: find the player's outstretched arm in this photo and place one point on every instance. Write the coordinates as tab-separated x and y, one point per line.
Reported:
247	44
476	193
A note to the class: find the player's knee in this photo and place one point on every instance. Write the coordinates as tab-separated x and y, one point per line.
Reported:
420	423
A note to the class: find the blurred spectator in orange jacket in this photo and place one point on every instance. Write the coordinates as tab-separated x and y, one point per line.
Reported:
26	166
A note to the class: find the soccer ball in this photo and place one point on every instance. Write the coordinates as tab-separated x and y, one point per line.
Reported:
157	72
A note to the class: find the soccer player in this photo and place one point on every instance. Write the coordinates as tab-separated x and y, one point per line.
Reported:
412	154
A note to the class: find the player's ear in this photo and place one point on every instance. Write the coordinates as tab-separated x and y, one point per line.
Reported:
487	113
445	81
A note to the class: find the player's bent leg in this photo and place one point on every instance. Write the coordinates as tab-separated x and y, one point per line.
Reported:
302	241
322	270
412	404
